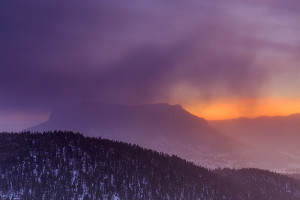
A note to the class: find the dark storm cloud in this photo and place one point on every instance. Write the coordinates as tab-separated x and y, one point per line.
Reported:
65	52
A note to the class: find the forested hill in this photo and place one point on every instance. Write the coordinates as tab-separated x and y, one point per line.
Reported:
64	165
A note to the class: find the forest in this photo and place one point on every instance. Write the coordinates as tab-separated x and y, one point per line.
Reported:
65	165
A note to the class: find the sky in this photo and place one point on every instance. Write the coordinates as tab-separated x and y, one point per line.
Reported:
218	59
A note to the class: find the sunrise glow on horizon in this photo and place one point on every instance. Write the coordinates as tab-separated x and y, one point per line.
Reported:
231	109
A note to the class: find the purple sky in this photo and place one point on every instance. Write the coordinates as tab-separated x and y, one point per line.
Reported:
186	52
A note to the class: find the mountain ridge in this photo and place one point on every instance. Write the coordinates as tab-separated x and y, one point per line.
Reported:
162	127
278	135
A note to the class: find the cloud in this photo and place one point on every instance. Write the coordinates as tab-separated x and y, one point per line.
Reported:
139	52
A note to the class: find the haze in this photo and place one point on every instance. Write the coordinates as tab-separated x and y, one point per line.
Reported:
218	59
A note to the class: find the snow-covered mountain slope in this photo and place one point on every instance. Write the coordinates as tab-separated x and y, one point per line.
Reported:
64	165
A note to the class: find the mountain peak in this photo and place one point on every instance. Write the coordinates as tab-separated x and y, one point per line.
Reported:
163	127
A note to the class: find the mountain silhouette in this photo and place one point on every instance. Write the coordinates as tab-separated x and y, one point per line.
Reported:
162	127
279	135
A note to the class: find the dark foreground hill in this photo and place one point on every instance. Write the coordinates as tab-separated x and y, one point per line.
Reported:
64	165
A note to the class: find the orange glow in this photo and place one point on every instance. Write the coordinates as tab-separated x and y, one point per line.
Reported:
234	108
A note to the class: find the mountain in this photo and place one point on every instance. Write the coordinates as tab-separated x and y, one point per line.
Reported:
64	165
278	136
162	127
142	122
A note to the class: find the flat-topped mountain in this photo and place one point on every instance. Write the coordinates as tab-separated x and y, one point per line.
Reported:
163	127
